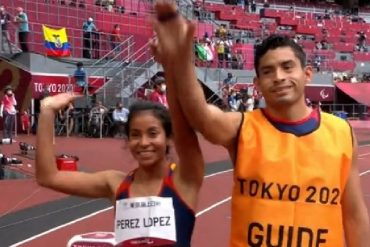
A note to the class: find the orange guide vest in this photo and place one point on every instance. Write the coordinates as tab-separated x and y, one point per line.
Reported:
287	189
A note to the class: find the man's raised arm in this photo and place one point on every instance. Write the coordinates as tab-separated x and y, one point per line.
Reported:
174	50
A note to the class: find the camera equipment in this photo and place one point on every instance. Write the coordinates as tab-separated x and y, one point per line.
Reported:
9	161
24	147
6	141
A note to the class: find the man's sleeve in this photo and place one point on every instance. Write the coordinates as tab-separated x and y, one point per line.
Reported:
114	115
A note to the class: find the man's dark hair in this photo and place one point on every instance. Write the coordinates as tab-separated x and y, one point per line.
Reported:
79	64
278	41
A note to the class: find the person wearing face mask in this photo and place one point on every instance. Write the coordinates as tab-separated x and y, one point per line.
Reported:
8	111
23	28
159	93
88	28
4	20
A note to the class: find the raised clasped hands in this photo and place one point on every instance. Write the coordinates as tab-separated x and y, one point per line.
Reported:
173	44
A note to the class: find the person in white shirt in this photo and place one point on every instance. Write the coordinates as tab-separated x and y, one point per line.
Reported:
119	116
250	103
96	119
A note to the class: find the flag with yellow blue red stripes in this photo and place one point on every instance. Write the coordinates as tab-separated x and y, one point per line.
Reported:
56	42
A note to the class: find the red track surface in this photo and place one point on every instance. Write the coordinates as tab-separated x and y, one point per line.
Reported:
94	154
212	227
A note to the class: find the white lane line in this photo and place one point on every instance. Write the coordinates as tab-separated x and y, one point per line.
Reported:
218	173
363	155
108	208
213	206
362	146
364	173
59	227
200	213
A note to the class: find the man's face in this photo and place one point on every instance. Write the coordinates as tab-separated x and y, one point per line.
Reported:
281	77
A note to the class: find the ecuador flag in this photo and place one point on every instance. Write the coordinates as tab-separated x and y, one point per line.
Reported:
56	42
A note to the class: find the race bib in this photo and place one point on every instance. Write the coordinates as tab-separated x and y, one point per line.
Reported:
145	221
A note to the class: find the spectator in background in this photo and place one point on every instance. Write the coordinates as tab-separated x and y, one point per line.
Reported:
317	63
80	78
362	42
246	6
254	6
23	29
324	45
26	122
220	48
229	79
4	20
66	117
159	93
234	62
233	101
221	31
120	115
197	9
115	39
110	5
96	118
88	29
227	54
240	59
8	111
82	4
242	103
259	101
250	103
73	3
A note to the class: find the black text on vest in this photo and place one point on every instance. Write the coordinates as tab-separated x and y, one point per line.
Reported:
288	236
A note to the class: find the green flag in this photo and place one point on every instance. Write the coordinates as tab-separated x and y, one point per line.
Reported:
202	53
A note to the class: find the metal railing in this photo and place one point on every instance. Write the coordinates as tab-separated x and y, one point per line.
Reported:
140	61
101	43
105	68
58	16
120	52
354	111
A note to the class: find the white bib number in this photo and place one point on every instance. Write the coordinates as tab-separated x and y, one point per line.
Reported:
145	218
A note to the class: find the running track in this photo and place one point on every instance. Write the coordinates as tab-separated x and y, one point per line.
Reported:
213	217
